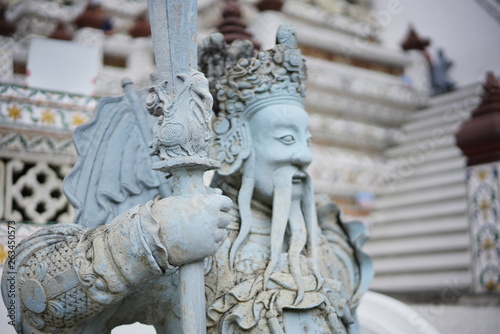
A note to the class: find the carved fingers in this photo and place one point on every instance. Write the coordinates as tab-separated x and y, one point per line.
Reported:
192	227
222	205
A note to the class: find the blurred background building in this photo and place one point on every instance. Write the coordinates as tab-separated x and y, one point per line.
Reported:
392	84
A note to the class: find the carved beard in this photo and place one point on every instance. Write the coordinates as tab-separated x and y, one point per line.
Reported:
298	213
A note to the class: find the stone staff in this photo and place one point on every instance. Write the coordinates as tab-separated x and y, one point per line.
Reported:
182	135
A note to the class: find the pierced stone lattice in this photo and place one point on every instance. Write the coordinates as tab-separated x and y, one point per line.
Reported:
34	192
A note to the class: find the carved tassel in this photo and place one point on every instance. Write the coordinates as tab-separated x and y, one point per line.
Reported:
335	323
273	322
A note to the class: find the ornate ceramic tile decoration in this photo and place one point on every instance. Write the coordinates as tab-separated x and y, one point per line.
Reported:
36	126
484	209
29	141
43	109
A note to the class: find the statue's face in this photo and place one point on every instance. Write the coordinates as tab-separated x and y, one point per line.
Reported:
281	137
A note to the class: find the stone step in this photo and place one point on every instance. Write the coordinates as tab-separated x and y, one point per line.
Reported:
450	116
397	186
413	148
421	211
401	183
435	134
423	154
473	89
457	111
445	281
432	112
468	96
448	160
419	227
445	158
460	260
435	194
449	242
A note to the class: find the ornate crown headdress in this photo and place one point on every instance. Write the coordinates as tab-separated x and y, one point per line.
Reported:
274	76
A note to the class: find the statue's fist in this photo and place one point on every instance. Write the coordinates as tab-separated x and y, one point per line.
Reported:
192	228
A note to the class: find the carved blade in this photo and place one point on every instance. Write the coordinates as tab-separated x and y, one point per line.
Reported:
173	29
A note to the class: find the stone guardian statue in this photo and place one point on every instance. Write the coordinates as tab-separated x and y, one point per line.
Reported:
277	259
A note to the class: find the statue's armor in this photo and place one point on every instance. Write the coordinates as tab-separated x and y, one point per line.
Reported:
52	296
75	279
67	274
237	302
63	288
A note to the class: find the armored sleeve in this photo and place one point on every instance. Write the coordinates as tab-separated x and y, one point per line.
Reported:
346	240
64	275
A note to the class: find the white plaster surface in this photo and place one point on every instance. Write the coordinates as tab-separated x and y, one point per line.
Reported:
461	319
134	329
380	314
63	66
469	35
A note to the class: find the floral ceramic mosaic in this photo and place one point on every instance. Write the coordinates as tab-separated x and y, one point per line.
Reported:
21	106
484	210
36	126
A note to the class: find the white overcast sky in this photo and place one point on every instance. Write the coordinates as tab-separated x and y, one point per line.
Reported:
469	35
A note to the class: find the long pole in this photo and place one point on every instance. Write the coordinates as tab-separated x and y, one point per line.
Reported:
173	28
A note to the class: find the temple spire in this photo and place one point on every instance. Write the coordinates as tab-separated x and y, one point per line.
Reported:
232	25
479	137
414	42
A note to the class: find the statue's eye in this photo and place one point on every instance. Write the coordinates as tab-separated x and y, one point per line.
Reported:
288	139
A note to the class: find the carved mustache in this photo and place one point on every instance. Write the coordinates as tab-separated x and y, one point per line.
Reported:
299	175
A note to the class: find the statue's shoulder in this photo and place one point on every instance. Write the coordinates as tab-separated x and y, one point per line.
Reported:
346	235
330	219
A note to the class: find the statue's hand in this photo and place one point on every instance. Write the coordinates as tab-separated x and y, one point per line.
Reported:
192	227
